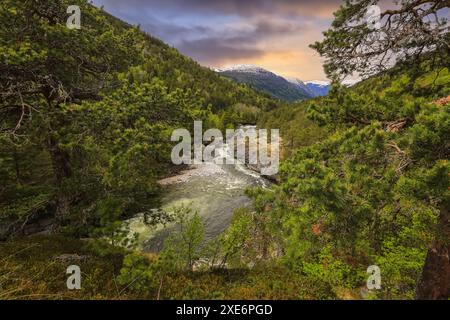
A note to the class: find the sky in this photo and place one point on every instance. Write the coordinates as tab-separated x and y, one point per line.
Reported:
218	33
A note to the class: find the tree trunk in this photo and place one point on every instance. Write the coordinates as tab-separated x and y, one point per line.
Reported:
435	280
62	171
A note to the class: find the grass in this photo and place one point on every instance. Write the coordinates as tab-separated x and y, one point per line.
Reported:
35	268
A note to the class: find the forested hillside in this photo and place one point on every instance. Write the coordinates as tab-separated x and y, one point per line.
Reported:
86	115
372	193
267	82
376	190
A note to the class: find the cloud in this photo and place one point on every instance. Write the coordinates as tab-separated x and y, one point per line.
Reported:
237	42
233	7
171	32
213	51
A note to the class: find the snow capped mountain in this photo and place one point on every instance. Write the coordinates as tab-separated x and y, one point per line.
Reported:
288	89
242	68
319	83
266	81
302	85
319	87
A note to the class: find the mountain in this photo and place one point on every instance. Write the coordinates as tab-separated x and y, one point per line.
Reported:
287	89
302	85
266	81
319	88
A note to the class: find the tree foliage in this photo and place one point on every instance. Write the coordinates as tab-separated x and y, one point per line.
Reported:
361	41
86	115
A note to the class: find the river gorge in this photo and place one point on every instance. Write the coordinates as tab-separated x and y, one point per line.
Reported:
213	190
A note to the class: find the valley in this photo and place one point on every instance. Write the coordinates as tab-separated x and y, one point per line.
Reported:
92	179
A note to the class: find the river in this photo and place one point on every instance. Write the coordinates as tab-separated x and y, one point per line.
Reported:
213	190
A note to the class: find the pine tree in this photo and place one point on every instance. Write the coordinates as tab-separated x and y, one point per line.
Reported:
415	33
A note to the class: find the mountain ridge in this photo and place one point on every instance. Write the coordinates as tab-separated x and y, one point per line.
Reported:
266	81
290	89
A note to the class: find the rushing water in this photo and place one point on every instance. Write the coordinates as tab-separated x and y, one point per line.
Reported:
213	190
